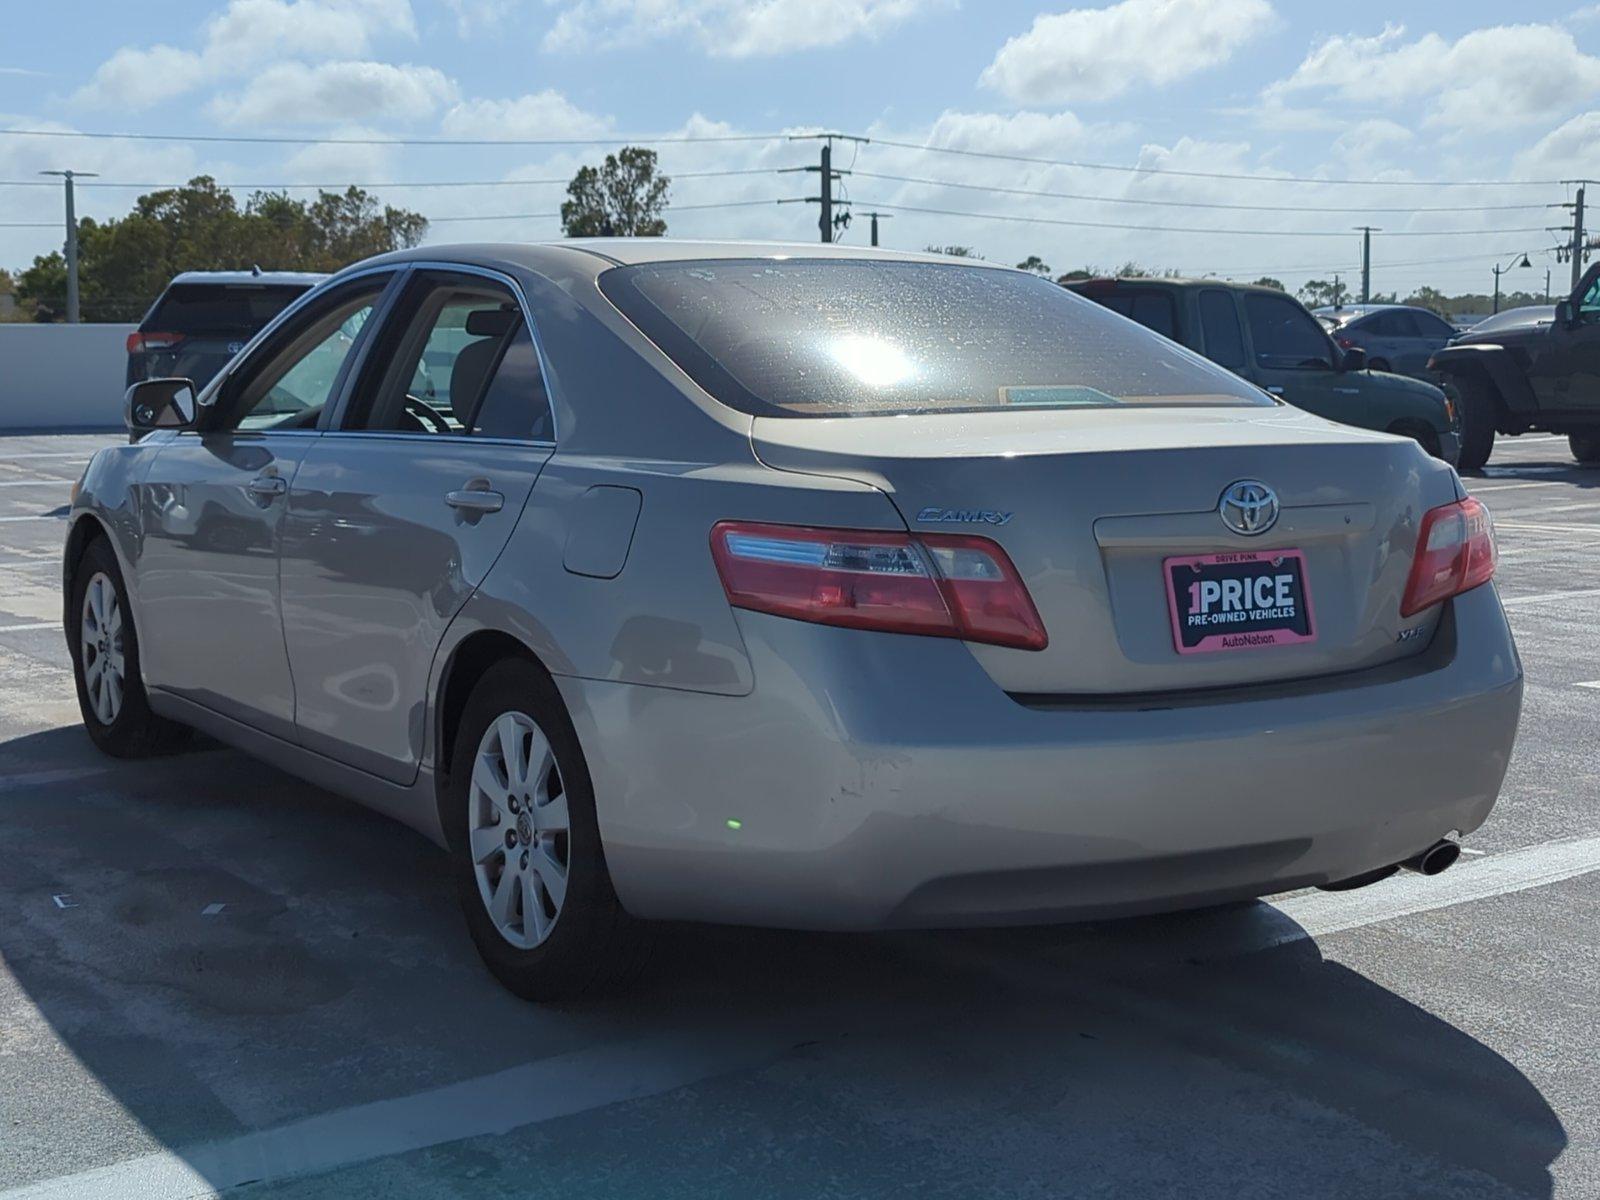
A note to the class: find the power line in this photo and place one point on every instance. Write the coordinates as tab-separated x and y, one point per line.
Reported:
393	183
1137	170
543	216
984	187
673	139
951	212
260	139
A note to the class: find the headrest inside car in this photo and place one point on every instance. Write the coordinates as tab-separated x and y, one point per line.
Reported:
492	322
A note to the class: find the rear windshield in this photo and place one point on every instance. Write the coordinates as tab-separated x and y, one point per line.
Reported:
202	308
842	338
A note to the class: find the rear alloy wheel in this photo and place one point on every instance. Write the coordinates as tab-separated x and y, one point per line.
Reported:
1477	423
525	844
105	659
518	830
1585	448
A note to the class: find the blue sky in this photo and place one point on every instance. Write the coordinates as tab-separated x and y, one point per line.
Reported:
1257	89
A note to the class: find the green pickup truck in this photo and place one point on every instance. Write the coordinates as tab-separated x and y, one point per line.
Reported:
1270	339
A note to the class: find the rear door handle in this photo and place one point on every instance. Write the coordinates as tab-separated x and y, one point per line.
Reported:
268	486
1276	391
472	499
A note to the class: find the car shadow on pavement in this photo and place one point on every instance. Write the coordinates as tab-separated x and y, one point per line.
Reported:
200	947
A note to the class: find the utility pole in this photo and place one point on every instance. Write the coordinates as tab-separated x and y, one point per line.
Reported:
827	176
1366	261
876	217
1338	293
1574	247
71	248
1547	285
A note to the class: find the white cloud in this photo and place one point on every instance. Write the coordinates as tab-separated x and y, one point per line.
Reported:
134	79
1097	53
729	28
1555	155
245	33
1495	78
292	93
475	15
546	114
1368	141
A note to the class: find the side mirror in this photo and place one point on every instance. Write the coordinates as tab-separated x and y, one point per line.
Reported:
159	404
1353	359
1564	314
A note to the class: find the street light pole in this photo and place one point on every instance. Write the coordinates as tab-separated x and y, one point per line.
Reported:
71	248
1517	260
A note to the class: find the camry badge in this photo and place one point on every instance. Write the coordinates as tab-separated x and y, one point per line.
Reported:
1248	507
963	516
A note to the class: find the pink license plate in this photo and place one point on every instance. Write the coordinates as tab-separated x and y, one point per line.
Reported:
1244	600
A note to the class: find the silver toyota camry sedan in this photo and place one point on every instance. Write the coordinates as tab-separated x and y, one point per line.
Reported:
792	585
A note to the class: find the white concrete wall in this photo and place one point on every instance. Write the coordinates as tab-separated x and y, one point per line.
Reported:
62	376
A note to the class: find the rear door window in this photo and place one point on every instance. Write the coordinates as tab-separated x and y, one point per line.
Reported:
1285	335
1219	325
460	359
1152	309
223	309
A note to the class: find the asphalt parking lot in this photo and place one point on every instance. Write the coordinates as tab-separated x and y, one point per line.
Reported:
214	977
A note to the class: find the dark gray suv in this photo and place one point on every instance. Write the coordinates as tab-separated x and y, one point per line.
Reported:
204	318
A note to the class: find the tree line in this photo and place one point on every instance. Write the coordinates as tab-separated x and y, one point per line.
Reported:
125	262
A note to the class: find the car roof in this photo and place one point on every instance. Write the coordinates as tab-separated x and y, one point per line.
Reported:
1104	281
281	278
601	254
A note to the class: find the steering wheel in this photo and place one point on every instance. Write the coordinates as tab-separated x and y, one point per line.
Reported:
423	413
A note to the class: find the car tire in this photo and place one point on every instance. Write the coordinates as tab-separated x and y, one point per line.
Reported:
105	663
1585	448
529	868
1477	423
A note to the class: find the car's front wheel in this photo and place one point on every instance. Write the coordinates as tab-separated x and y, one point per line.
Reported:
1585	448
529	867
105	660
1477	423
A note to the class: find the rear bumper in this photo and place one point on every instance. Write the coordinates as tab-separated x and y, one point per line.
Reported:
875	781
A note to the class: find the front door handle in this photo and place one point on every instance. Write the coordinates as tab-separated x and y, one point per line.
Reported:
268	486
477	500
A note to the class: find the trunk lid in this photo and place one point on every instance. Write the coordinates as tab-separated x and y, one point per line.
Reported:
1088	505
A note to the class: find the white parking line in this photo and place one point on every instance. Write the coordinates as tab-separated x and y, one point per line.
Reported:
491	1104
39	517
85	455
1511	487
1538	528
1320	913
1540	598
26	628
35	483
1593	683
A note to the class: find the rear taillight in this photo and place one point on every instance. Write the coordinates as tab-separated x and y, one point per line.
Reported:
1345	343
1455	552
939	585
139	343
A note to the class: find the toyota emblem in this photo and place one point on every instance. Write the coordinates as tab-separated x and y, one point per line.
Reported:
1248	507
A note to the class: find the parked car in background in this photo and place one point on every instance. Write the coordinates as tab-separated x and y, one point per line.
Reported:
204	318
808	586
1397	337
1270	339
1530	369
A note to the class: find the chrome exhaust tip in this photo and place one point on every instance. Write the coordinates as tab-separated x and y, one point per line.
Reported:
1436	859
